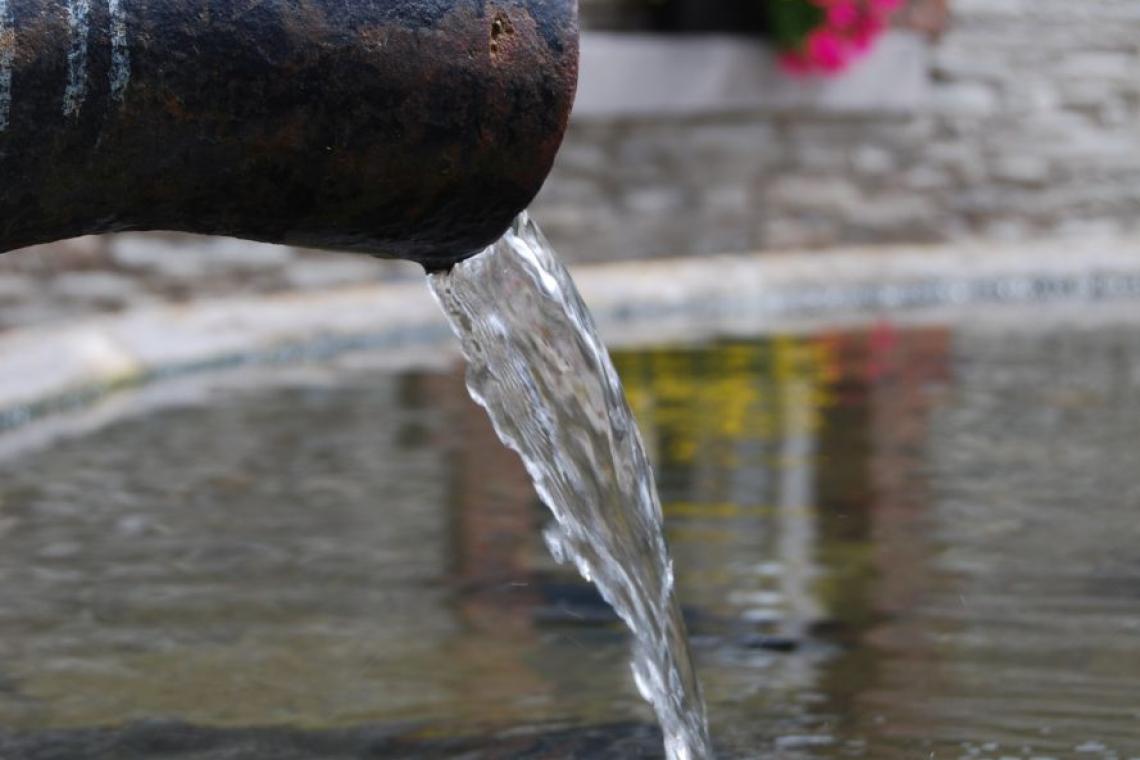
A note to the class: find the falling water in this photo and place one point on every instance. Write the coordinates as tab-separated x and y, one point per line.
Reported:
539	368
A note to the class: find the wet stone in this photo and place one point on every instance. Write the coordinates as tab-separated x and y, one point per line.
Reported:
102	289
311	274
189	257
15	288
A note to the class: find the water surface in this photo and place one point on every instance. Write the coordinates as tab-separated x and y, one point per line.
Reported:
889	543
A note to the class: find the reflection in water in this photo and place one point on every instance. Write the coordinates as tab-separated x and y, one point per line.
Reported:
890	544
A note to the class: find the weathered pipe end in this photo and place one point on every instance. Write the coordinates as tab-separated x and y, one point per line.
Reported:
413	129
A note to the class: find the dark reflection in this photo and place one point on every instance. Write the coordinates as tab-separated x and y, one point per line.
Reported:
873	496
164	740
889	543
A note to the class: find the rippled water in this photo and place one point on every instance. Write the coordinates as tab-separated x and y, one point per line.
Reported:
890	543
540	369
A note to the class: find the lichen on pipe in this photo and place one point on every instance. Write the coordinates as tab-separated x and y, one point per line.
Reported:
411	129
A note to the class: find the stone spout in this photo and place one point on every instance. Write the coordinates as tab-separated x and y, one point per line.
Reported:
412	129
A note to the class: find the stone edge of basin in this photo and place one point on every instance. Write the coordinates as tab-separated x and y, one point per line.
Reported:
634	302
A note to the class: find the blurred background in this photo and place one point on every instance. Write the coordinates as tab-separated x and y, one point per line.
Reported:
1010	120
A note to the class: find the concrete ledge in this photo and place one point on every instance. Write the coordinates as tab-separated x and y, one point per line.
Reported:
42	363
642	302
652	75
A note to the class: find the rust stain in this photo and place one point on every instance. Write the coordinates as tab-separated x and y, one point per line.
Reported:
502	33
290	136
373	38
174	106
36	35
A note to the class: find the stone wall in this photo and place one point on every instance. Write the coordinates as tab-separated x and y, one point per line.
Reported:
1031	129
106	274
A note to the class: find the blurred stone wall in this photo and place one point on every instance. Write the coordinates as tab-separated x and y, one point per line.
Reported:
1032	128
107	274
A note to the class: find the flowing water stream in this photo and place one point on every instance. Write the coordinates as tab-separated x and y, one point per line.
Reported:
539	368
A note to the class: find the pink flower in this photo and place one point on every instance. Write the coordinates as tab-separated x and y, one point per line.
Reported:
795	63
825	49
865	33
842	14
849	30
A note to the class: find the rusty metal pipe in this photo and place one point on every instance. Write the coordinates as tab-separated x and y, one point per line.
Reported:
414	129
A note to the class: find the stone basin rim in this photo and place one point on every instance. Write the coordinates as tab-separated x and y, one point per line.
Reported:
982	284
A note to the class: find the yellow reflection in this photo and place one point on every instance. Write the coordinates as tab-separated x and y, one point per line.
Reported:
702	408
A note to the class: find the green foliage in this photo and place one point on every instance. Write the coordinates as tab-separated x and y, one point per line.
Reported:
790	21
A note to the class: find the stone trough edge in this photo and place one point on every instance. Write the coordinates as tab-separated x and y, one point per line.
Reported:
39	363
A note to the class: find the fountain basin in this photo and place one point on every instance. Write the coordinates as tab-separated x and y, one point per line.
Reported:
868	461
